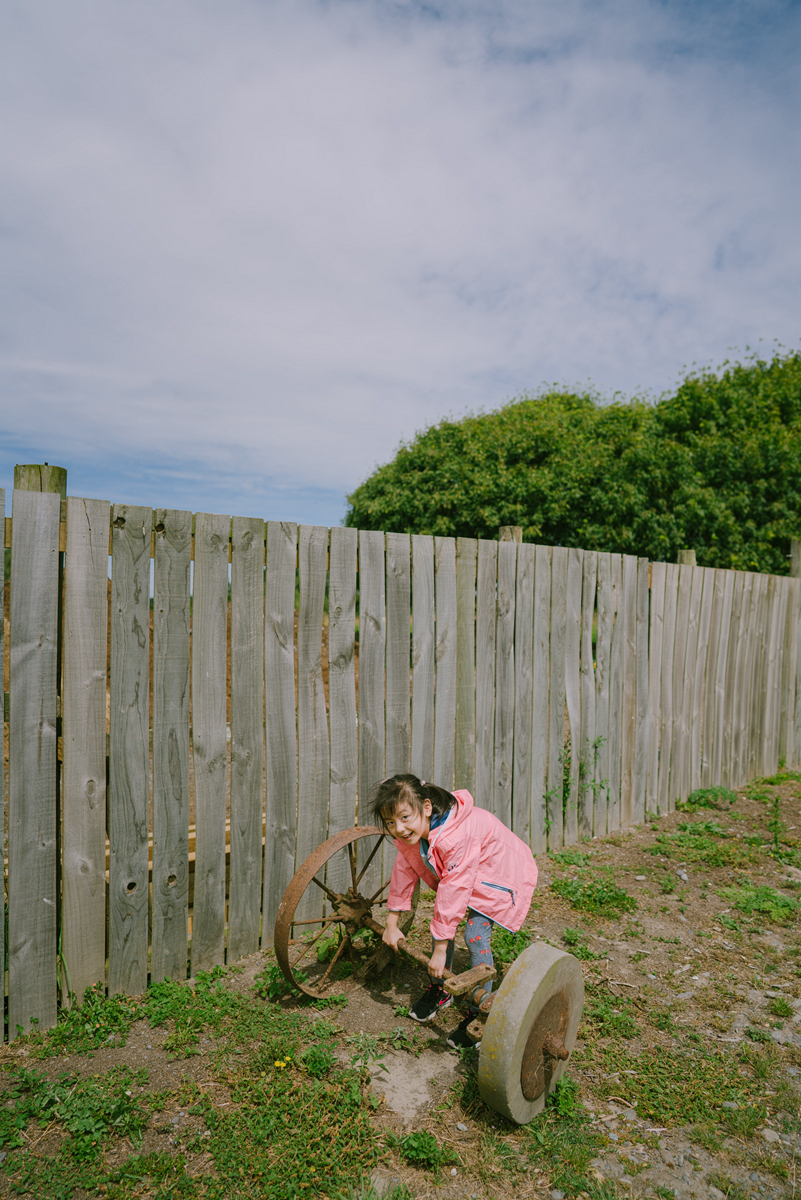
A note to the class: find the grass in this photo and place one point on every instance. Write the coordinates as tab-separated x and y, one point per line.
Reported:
714	797
295	1120
704	842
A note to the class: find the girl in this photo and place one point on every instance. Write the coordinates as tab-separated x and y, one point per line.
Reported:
473	862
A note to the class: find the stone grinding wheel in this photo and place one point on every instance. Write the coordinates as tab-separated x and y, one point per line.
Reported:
542	993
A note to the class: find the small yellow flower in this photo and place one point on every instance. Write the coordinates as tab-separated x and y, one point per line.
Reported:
278	1063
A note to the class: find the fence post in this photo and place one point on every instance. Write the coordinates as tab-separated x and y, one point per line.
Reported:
511	533
794	749
686	558
34	731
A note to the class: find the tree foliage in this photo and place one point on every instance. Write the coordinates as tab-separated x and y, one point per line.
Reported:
715	467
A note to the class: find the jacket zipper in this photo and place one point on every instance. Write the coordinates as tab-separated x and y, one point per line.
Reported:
499	888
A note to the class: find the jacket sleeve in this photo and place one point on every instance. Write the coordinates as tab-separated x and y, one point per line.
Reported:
460	869
401	884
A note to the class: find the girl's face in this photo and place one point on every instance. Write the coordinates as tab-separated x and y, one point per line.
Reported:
408	824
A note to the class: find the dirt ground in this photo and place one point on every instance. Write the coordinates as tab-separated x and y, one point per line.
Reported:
684	950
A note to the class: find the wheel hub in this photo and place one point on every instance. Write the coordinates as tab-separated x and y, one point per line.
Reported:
536	1066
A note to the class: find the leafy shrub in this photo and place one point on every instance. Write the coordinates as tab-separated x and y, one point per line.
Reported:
596	896
753	898
712	797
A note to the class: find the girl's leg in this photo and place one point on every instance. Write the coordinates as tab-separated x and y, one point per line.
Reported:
477	933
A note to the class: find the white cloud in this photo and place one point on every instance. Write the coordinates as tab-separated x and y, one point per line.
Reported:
248	247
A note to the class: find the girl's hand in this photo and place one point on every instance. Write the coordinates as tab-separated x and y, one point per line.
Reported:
437	962
392	934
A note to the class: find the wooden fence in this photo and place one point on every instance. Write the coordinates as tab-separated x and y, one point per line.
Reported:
571	691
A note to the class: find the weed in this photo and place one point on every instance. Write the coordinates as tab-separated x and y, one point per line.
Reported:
703	842
272	983
84	1028
365	1051
564	1143
506	946
575	939
422	1149
780	1008
569	857
713	797
318	1060
400	1039
564	1098
753	898
596	896
401	1010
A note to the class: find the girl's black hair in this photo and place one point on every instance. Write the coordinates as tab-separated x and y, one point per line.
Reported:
399	789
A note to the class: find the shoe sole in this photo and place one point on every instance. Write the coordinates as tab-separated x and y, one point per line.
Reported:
425	1020
456	1046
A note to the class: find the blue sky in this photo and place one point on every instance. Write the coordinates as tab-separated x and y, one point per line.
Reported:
246	248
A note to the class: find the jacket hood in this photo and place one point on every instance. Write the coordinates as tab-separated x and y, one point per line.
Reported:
460	812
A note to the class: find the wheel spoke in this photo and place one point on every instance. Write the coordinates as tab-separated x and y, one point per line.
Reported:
352	857
317	920
373	898
309	945
370	859
342	945
331	895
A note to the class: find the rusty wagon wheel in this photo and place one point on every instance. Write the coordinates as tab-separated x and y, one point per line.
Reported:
530	1032
323	908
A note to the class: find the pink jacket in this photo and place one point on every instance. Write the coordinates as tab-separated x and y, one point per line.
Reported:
481	865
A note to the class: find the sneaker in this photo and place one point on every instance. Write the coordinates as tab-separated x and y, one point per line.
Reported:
460	1039
433	1000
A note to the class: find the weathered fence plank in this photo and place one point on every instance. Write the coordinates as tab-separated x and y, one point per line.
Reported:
589	749
770	756
486	613
32	834
83	780
696	585
699	682
789	666
616	692
313	759
422	657
639	770
680	662
372	651
445	658
756	663
504	682
603	658
171	609
658	572
209	736
710	672
247	734
342	692
720	675
524	690
465	747
540	671
129	749
575	571
556	714
740	690
282	747
730	696
666	691
629	701
4	716
398	652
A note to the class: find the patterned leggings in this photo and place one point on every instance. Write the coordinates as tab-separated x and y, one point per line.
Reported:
477	933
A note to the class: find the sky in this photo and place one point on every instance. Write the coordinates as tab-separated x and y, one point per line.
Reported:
248	247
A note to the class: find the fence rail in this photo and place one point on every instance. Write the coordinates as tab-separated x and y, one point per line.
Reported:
572	691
